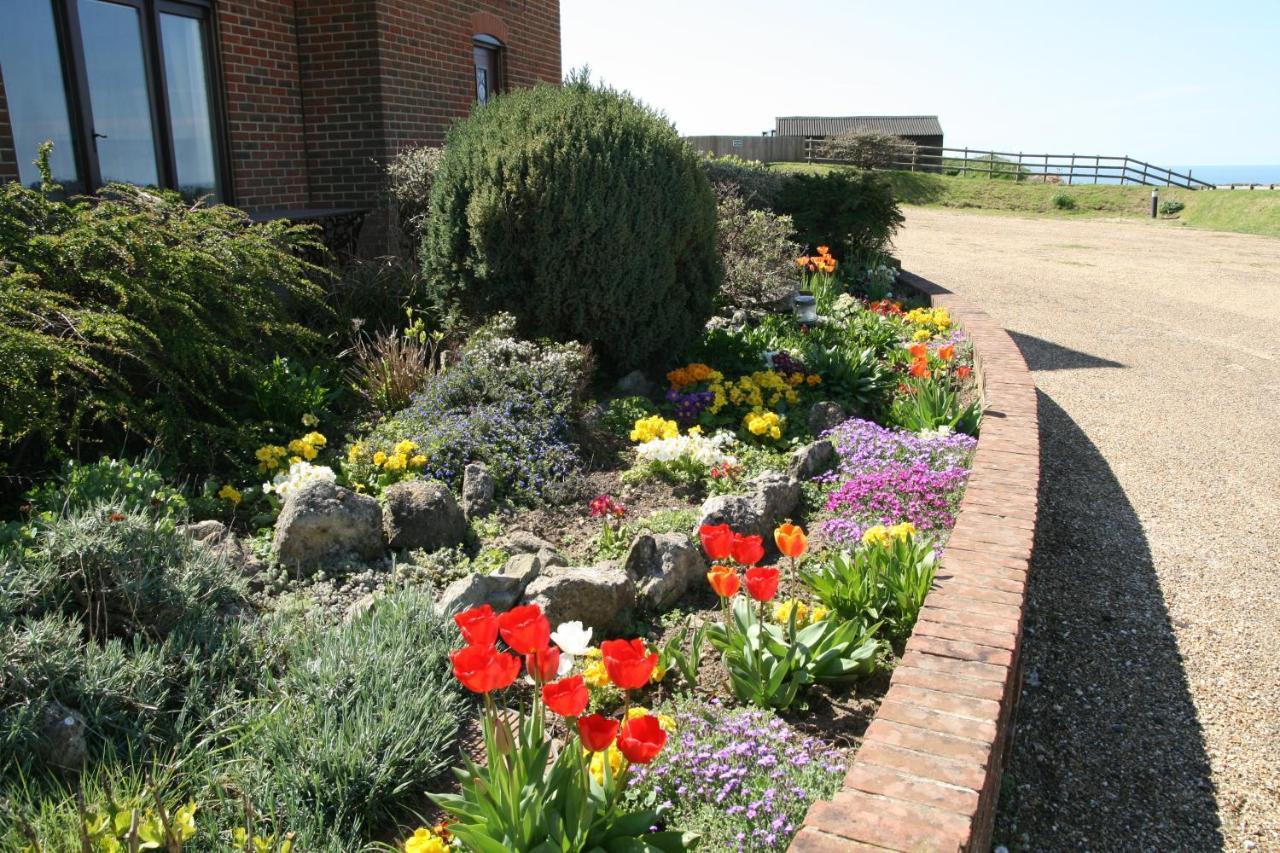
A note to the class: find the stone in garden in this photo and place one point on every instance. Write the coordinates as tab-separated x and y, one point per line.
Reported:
524	542
811	460
477	491
422	514
773	499
634	384
215	536
322	521
61	742
824	416
499	591
208	531
663	566
526	567
600	597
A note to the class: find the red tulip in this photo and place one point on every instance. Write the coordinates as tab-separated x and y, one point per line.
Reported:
641	739
963	372
567	697
724	581
525	629
479	626
628	662
947	353
717	540
543	665
762	583
791	540
597	732
747	550
483	668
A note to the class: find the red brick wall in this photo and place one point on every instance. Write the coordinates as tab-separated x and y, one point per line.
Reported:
263	98
8	158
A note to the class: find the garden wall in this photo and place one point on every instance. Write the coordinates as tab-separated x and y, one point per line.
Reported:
927	776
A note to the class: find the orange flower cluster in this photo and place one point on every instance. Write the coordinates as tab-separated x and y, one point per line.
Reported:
886	308
821	262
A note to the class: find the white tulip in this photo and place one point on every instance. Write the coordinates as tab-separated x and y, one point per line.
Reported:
572	638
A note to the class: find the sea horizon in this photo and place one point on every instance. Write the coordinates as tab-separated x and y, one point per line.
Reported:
1233	174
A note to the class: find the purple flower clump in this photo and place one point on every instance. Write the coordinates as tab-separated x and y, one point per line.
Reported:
689	406
888	476
743	778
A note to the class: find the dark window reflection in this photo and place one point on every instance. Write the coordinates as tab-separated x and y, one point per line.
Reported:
30	63
182	40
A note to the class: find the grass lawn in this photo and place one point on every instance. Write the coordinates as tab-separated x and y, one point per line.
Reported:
1249	212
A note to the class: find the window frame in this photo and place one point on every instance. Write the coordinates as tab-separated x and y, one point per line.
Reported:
497	49
76	83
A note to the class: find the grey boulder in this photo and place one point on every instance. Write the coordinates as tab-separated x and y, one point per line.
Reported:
824	416
478	488
600	597
422	514
663	566
61	743
499	591
773	498
634	384
322	521
811	460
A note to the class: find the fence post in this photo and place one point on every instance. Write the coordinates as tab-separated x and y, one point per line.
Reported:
964	167
1017	178
1071	171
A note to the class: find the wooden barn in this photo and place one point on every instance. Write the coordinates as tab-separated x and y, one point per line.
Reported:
924	131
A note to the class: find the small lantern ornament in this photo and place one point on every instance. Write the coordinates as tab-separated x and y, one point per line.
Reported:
805	307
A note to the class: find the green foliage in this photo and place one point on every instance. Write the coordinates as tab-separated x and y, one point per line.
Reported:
869	149
931	404
126	485
372	293
285	392
753	181
733	353
135	317
1063	201
621	414
757	252
1172	207
987	166
583	214
853	212
359	721
410	176
390	367
770	664
673	655
884	581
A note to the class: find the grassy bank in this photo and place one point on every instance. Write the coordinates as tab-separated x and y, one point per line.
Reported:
1249	212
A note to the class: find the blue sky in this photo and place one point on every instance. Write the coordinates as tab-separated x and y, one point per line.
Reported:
1171	82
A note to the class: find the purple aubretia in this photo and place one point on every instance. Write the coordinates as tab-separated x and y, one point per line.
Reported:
888	476
742	778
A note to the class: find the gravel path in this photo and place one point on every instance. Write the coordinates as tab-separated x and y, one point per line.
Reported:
1150	719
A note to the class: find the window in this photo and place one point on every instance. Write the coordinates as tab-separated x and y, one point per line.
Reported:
488	53
122	87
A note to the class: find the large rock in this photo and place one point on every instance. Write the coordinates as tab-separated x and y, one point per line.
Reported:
824	416
422	514
773	499
526	567
524	542
478	489
322	521
634	384
500	591
61	742
663	566
601	597
811	460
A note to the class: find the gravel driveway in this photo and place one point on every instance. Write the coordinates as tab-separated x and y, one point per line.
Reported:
1150	717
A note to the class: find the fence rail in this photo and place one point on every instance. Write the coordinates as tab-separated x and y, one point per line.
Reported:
1024	167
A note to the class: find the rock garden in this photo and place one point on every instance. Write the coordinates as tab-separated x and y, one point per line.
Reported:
594	519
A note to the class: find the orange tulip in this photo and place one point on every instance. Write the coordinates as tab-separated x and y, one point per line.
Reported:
802	261
724	581
963	372
918	351
824	250
791	540
947	353
919	368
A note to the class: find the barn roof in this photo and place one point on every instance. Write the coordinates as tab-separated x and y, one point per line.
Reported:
831	125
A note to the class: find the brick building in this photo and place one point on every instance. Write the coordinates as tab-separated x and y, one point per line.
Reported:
265	104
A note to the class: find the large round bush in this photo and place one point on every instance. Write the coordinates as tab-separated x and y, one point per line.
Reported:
582	213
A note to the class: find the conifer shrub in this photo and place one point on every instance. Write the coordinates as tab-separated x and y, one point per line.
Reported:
581	212
853	212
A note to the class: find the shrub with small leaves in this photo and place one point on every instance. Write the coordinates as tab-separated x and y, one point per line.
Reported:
757	251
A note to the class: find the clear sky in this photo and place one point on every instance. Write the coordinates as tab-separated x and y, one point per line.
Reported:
1179	82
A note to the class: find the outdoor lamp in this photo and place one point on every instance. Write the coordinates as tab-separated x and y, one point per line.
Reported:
806	308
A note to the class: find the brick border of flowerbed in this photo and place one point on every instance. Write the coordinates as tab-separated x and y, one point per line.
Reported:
927	776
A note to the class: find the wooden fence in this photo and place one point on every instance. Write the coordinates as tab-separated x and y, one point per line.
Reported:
1024	167
766	149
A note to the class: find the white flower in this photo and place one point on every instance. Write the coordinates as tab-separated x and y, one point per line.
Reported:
694	448
285	483
572	638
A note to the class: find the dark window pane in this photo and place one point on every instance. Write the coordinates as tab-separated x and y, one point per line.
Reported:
182	40
32	69
118	93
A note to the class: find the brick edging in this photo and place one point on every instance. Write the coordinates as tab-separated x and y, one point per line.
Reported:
927	776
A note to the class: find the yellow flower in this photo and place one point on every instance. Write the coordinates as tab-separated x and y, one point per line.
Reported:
813	379
902	532
309	420
418	461
695	430
922	335
425	841
877	535
804	615
615	759
379	458
230	493
294	460
269	457
316	439
354	454
406	447
396	462
653	428
668	723
595	674
303	448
